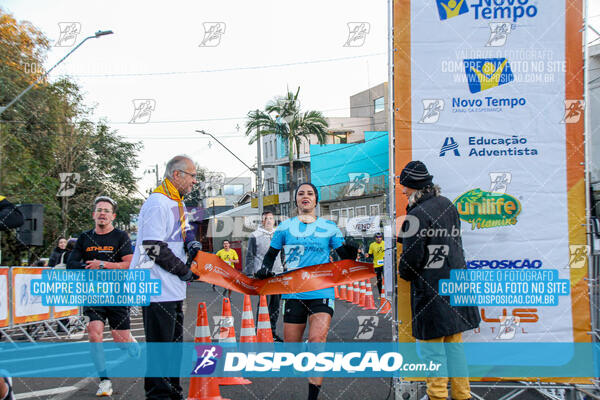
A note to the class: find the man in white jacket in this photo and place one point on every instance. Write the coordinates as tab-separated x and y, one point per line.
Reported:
258	245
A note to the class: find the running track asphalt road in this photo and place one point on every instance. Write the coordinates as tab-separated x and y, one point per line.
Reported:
344	328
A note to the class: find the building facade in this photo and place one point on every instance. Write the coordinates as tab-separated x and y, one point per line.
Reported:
352	178
367	114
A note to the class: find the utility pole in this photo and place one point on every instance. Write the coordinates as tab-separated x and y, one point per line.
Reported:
259	186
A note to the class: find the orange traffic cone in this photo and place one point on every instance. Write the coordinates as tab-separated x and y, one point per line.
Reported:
226	331
336	292
263	328
369	300
248	331
363	292
356	290
203	388
227	335
343	294
202	333
349	293
385	306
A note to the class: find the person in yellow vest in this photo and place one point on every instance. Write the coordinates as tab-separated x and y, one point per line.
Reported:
230	256
377	251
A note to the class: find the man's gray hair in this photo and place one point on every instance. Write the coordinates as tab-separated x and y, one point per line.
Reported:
176	163
417	194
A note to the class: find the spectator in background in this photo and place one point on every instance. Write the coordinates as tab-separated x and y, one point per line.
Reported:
258	245
58	258
377	252
230	256
68	249
70	246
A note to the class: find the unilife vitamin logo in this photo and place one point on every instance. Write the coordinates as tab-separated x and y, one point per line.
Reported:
486	209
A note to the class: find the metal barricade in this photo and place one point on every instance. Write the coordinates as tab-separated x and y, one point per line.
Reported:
594	276
19	319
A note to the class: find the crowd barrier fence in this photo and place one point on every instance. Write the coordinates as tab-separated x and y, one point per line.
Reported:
24	316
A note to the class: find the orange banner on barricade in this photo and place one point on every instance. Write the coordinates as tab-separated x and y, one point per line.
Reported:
212	269
4	299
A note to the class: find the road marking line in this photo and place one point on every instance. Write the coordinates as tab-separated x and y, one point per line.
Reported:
79	385
45	392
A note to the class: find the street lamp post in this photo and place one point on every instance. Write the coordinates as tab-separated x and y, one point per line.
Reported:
226	148
96	35
256	171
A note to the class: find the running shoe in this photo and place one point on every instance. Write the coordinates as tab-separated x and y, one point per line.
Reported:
277	339
105	388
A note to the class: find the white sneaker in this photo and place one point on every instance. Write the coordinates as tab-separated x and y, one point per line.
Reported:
105	388
133	349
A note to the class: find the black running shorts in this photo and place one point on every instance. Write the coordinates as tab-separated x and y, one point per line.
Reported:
118	316
296	311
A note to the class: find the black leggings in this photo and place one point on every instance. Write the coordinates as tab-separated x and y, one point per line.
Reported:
379	272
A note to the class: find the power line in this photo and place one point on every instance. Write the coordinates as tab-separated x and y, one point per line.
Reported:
253	67
241	135
194	120
224	136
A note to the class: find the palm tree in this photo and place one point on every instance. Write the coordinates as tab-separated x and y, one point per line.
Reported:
283	117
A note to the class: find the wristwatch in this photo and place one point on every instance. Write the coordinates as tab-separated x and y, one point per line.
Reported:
101	264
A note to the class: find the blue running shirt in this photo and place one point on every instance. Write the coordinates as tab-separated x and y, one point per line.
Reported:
305	245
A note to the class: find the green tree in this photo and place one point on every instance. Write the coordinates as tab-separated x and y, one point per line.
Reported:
51	131
283	117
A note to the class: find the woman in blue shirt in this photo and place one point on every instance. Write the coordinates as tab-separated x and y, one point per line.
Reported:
306	240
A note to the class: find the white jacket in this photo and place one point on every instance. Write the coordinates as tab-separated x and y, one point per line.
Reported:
258	245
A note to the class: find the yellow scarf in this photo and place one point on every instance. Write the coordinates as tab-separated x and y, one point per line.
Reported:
167	188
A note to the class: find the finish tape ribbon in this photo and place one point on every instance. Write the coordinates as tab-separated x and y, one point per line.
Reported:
212	269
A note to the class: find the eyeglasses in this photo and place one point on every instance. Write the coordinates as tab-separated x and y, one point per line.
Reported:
104	210
194	176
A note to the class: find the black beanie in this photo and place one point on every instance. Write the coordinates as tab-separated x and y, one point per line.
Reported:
415	176
312	186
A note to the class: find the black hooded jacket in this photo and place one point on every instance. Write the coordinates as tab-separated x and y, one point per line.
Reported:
428	255
57	257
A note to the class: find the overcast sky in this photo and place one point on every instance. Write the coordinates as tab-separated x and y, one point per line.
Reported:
155	53
267	46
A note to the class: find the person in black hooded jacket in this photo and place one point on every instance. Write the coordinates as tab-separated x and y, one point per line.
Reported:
59	256
431	247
